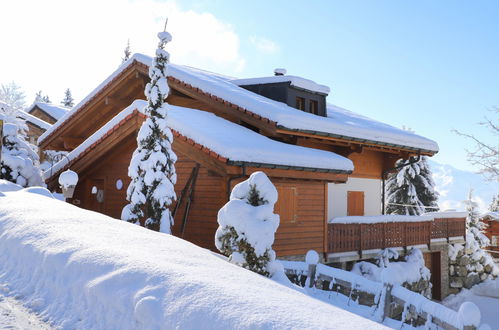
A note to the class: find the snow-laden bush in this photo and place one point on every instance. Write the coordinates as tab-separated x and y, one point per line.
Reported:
247	225
469	263
410	273
19	162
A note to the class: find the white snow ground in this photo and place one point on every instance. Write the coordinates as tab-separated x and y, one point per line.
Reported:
485	296
81	269
13	315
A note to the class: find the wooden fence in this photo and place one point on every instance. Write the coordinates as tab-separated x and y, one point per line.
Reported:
395	302
367	236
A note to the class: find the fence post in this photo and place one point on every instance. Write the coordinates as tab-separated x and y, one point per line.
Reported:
312	259
388	300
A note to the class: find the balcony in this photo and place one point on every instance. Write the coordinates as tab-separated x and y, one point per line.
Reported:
349	234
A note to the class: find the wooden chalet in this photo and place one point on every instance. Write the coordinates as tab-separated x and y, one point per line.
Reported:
340	161
491	219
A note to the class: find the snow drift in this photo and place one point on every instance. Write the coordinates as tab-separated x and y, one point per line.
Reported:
83	270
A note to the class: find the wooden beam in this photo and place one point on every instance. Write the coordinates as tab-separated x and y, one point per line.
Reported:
369	145
199	156
292	174
71	142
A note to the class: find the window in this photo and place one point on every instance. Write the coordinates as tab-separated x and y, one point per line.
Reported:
355	203
300	103
314	107
286	204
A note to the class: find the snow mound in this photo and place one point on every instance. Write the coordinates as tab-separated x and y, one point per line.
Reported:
6	186
84	270
469	314
40	191
68	178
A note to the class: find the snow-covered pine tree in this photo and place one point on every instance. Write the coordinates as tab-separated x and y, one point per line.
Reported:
151	169
127	52
247	225
68	100
411	189
38	97
494	205
474	225
46	99
469	263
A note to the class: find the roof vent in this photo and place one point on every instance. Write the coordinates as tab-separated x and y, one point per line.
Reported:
279	72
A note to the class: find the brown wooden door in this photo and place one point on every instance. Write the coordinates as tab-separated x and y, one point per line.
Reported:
286	204
436	276
355	203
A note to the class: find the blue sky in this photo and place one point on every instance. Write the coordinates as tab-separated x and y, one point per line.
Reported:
428	65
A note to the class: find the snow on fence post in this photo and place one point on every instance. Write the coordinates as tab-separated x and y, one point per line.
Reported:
387	300
312	259
469	315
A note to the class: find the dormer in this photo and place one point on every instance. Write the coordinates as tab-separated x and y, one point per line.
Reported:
297	92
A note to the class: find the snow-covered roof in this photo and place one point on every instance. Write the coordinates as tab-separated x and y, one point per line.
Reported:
53	110
380	219
295	81
342	124
135	106
230	141
239	144
447	214
492	216
34	120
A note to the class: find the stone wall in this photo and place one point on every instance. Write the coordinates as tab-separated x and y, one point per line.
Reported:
467	268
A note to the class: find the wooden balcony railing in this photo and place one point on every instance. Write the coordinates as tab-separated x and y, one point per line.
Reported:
361	236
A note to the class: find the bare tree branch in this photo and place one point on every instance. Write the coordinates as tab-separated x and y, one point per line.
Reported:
486	154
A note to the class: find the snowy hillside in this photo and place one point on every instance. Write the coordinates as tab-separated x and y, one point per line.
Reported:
82	270
453	186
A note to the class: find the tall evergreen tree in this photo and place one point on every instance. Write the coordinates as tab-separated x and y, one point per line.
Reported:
68	100
151	169
127	52
494	205
411	190
38	97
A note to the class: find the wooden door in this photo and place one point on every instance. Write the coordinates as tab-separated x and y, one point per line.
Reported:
355	203
436	276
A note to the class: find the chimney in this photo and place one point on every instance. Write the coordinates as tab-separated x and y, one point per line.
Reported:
279	72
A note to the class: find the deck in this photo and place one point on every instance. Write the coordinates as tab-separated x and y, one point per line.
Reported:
368	236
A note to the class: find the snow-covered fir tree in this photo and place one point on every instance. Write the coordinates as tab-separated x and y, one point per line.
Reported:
474	225
247	225
151	169
127	52
494	205
68	100
411	189
46	99
38	97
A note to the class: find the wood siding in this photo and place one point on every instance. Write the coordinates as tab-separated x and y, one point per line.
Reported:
305	230
37	112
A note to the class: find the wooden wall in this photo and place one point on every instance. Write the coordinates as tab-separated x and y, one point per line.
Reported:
492	230
42	115
301	203
34	132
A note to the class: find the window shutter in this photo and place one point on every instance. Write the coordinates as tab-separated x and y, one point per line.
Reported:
286	204
355	203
